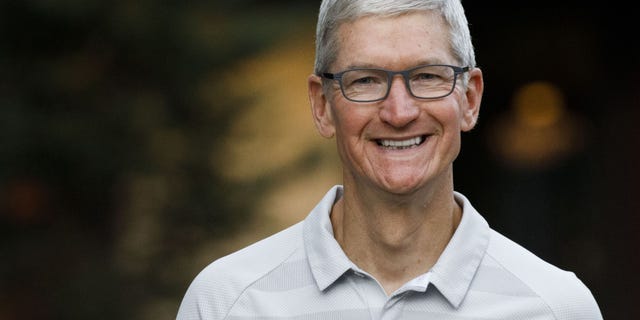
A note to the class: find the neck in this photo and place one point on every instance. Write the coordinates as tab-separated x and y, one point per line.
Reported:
395	238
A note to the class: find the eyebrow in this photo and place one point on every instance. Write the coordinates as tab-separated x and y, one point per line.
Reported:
365	65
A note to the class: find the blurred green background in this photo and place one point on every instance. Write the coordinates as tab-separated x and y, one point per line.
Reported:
140	140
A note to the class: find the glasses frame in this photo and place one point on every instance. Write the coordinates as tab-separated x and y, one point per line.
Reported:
391	74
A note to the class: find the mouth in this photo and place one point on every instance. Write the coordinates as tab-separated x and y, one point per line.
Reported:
401	144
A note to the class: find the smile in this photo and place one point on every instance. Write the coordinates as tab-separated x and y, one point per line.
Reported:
401	144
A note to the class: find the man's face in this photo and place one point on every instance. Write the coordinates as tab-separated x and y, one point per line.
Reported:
367	134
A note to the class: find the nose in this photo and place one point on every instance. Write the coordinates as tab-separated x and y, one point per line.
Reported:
399	109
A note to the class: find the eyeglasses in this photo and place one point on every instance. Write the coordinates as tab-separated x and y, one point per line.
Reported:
424	82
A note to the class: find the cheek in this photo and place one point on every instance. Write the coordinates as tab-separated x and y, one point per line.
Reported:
351	120
449	118
351	125
452	127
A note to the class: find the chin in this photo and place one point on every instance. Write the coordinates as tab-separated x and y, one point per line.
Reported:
402	188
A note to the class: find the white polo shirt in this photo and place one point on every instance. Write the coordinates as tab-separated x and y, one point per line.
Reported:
302	273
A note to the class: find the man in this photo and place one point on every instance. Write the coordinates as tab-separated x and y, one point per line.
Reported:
395	83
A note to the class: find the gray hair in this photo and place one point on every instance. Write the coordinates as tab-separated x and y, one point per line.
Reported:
333	13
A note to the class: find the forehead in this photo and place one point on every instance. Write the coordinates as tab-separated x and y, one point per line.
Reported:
393	42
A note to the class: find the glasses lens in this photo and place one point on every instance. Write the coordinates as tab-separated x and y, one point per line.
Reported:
432	81
365	84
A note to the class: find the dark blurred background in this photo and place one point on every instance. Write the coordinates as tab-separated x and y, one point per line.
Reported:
140	140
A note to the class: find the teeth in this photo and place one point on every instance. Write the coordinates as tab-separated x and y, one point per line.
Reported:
404	144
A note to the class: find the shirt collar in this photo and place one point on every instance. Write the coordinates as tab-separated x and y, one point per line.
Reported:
327	259
451	275
454	271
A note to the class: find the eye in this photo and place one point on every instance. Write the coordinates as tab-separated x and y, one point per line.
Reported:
363	78
425	76
364	84
366	80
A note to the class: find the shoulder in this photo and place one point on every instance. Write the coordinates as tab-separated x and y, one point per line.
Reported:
566	296
216	288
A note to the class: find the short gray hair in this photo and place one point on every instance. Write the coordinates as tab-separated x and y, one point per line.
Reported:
333	13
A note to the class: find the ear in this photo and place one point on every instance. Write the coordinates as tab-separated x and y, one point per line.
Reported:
320	107
473	96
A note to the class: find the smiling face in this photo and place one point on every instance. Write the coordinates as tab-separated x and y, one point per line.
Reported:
401	144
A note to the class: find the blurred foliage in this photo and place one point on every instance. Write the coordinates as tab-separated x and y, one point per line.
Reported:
110	112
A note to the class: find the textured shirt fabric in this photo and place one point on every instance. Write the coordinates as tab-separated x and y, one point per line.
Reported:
302	273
